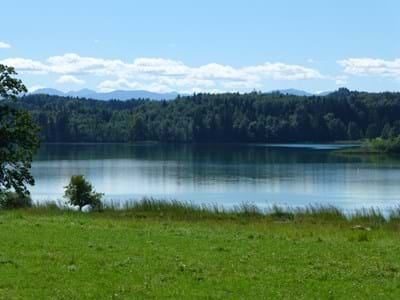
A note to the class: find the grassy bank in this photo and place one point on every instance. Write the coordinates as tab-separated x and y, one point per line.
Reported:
375	146
161	250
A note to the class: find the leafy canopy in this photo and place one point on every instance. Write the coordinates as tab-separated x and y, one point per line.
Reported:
18	136
80	192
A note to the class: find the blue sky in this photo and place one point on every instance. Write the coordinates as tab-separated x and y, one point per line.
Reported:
213	46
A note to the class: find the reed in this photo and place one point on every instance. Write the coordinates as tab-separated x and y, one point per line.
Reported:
173	209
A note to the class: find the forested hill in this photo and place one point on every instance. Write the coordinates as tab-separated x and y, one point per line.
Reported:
254	117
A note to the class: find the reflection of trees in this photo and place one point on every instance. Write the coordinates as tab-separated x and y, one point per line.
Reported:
201	153
381	160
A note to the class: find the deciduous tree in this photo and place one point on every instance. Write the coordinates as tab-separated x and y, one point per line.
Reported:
18	136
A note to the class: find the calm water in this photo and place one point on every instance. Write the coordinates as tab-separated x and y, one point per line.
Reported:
294	175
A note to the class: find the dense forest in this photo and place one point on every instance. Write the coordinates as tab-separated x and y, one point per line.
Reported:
230	117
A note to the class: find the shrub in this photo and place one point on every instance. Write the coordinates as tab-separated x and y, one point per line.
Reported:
390	145
12	200
80	192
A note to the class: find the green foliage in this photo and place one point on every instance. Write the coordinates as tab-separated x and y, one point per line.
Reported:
372	131
230	117
138	128
380	145
336	128
80	192
387	132
354	132
10	87
18	136
12	200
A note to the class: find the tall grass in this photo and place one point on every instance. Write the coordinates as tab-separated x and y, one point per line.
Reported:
371	216
394	215
173	209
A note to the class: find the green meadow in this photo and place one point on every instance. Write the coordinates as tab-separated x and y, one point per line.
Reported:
161	250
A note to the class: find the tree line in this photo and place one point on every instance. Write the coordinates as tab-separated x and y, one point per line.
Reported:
231	117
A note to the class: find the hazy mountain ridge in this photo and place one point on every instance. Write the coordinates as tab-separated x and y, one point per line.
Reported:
117	95
142	94
296	92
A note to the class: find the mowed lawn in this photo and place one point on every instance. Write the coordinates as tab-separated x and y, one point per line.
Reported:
67	255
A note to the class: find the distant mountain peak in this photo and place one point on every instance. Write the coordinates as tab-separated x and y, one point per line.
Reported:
49	91
114	95
88	91
296	92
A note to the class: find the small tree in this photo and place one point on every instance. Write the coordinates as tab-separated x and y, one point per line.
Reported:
80	192
138	128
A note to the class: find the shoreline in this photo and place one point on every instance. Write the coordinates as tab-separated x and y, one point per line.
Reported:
180	210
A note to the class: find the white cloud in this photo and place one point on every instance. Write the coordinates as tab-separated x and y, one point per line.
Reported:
124	84
120	84
281	71
218	71
234	86
341	80
162	74
185	82
35	88
4	45
72	63
70	79
26	65
371	66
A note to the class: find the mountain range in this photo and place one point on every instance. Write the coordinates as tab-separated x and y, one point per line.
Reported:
116	95
300	92
142	94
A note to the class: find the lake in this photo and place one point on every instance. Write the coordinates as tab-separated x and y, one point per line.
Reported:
294	175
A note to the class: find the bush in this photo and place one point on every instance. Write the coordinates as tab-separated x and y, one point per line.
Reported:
12	200
80	192
391	145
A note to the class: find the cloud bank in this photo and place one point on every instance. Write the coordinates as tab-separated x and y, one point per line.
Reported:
70	79
371	67
160	74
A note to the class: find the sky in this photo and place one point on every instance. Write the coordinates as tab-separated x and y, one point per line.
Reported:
203	46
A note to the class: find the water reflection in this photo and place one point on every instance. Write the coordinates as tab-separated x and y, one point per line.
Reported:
225	174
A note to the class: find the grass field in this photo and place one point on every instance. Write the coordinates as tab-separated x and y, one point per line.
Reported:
159	252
